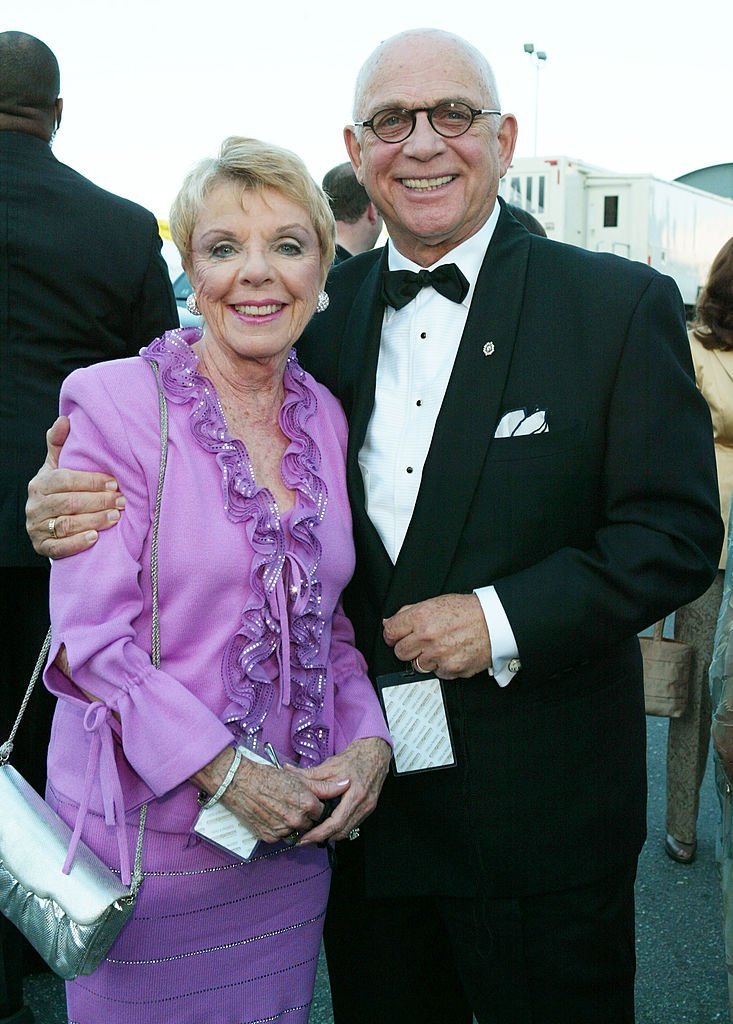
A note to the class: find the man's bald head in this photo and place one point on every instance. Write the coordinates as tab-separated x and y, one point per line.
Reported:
29	85
438	41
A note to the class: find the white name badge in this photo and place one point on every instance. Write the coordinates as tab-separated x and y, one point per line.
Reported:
414	706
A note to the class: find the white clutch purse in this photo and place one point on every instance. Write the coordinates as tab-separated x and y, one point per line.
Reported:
71	919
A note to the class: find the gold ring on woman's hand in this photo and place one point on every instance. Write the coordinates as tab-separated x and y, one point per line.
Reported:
52	528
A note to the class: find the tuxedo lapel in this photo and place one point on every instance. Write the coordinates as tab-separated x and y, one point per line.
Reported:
360	354
467	420
356	384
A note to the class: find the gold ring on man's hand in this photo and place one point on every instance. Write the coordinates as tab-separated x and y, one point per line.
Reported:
416	664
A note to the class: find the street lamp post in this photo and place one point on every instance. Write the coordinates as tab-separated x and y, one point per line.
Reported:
538	57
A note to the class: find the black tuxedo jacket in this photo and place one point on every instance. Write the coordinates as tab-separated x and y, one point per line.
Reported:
81	279
589	532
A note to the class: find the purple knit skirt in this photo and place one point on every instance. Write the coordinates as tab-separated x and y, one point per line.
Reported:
212	940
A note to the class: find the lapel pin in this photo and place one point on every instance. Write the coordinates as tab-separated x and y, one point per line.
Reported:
488	348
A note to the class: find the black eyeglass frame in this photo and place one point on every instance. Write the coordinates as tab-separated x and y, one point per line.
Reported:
429	111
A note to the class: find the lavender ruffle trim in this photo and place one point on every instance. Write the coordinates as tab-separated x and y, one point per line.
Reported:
281	628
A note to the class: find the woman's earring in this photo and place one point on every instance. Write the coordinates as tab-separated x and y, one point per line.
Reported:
323	301
191	305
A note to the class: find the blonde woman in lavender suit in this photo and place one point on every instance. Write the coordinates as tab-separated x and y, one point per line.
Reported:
255	549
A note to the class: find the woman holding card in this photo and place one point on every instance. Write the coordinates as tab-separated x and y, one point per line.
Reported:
254	550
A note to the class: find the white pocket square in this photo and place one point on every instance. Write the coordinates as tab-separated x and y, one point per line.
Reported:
519	422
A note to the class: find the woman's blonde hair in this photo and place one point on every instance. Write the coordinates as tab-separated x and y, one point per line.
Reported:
252	164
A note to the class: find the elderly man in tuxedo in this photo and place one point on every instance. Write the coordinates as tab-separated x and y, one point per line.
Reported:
532	481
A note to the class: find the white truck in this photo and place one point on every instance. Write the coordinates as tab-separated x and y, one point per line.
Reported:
674	228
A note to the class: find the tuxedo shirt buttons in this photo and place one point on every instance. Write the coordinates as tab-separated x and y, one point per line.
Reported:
514	665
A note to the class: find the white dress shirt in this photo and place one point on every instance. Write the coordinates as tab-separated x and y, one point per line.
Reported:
418	348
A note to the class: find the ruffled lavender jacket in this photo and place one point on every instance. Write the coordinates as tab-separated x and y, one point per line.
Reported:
255	645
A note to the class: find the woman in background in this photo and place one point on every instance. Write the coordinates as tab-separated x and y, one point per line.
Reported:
711	342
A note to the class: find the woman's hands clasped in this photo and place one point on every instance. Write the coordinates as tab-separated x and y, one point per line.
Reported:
278	804
274	804
364	763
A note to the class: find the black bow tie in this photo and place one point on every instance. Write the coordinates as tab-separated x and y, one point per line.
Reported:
401	286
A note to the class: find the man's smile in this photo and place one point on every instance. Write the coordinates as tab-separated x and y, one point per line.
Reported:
426	184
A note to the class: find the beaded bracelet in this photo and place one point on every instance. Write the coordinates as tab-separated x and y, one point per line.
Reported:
226	781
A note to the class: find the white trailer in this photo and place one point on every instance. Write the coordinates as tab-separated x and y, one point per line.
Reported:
672	227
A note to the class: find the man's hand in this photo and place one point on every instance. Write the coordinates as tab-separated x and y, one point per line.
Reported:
78	504
447	635
364	763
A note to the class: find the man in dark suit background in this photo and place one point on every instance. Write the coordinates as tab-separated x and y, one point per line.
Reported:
532	482
358	222
81	279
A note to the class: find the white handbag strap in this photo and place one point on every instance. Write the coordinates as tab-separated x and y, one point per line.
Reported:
7	747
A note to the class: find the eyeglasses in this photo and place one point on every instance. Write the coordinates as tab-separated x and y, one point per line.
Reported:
449	119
